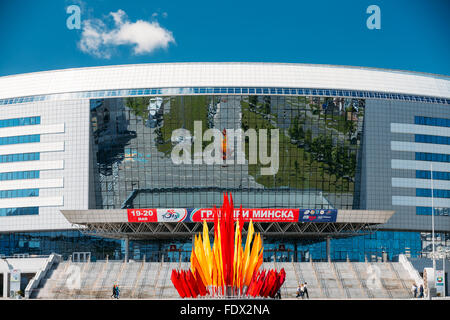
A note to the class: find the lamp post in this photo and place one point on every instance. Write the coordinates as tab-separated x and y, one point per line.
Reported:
444	256
432	219
445	252
437	255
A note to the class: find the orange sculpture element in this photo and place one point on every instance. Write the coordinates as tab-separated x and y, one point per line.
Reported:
224	144
227	269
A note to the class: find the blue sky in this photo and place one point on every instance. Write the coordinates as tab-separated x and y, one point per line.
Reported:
414	34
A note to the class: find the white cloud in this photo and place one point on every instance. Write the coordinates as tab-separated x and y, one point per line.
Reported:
145	37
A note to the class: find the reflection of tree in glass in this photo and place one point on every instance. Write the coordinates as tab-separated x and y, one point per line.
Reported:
183	112
110	133
139	106
253	101
266	105
322	141
159	138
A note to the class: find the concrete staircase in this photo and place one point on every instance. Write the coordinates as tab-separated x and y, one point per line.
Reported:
151	280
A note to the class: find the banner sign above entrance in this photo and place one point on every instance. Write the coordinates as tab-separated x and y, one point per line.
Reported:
255	214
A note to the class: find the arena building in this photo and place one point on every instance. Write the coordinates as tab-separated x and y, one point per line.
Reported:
126	161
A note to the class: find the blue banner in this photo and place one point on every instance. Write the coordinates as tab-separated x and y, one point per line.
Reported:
317	215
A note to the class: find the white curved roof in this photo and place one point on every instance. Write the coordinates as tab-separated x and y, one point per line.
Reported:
167	75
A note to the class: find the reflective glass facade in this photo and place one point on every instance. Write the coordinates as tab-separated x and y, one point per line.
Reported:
316	159
357	248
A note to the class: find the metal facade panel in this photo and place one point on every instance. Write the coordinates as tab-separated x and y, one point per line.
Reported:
223	74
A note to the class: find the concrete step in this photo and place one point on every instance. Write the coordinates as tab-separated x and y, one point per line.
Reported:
154	281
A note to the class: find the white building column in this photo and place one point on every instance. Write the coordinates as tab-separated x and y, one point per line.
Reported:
5	284
127	245
328	248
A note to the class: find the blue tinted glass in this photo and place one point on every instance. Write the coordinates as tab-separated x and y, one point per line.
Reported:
19	211
439	122
19	157
432	139
432	157
438	193
19	175
19	139
437	211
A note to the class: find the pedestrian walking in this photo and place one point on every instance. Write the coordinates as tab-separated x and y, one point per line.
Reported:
305	289
414	290
302	291
117	292
421	291
278	295
298	290
114	291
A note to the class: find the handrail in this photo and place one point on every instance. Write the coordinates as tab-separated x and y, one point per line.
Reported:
122	267
34	256
157	277
401	280
68	264
275	265
339	279
165	277
362	284
295	272
319	281
411	270
82	272
41	274
143	284
302	277
59	279
136	281
100	276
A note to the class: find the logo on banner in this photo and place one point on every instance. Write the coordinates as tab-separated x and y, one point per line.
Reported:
319	215
171	215
309	215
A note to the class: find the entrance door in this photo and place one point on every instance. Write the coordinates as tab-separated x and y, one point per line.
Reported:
81	256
